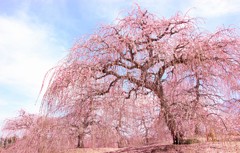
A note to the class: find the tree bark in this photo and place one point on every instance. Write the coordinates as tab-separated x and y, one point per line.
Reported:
80	141
176	133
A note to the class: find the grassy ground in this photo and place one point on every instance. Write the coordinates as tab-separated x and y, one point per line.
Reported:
93	150
230	146
207	147
217	147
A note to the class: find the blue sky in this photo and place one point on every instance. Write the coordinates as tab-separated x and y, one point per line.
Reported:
36	34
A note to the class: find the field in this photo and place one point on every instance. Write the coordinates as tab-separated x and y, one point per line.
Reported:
208	147
93	150
228	146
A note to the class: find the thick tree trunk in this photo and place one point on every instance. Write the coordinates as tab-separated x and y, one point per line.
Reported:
80	141
178	138
176	133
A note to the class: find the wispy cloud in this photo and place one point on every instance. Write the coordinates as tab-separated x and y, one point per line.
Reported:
27	52
214	8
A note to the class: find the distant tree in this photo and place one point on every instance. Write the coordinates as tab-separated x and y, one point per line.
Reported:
37	134
80	119
76	104
192	73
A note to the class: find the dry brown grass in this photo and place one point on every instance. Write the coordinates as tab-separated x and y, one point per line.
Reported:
205	147
209	147
93	150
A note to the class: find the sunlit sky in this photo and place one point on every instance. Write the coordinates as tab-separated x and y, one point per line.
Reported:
36	34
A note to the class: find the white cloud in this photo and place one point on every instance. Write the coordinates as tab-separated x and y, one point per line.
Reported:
214	8
27	52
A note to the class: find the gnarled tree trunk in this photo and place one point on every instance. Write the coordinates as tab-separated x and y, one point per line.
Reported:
176	133
80	141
